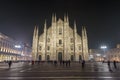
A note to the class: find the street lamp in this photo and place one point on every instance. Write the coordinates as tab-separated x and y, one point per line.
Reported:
104	47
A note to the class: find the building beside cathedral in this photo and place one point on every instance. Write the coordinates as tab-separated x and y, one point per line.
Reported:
60	42
11	49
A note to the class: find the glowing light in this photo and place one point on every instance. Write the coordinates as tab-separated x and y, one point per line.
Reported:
98	54
17	46
103	47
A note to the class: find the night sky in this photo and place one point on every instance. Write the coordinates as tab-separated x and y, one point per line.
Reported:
101	18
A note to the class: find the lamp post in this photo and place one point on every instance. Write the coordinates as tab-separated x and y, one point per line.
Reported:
104	47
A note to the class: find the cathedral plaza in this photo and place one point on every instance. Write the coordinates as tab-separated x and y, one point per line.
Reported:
49	71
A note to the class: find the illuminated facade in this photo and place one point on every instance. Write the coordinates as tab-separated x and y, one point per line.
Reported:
96	54
60	42
114	54
8	51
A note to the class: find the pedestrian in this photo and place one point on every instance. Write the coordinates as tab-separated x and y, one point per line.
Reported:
83	63
60	62
55	63
9	63
69	62
66	63
103	61
32	62
109	65
114	63
63	62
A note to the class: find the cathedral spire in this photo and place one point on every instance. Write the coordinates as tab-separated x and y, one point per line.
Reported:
85	33
75	26
34	45
37	31
34	32
53	18
82	31
45	24
84	44
65	19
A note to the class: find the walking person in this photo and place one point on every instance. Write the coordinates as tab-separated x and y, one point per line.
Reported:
9	63
32	62
66	63
114	63
109	65
60	62
63	62
55	63
83	63
69	62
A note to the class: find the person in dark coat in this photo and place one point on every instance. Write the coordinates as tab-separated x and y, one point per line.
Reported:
9	63
109	65
63	62
69	62
66	63
83	63
114	63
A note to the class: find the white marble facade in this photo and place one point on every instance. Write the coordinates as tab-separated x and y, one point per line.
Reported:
60	42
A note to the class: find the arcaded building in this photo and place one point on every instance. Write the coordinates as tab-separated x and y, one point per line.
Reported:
10	49
60	42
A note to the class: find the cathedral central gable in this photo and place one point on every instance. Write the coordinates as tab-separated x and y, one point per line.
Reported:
60	21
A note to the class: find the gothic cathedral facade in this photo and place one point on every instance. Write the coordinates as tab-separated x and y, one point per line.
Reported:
60	42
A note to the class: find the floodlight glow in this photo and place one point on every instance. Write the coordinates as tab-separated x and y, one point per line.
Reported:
104	56
103	47
98	54
22	54
91	56
17	46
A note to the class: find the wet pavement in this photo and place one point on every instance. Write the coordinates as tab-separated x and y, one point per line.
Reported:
48	71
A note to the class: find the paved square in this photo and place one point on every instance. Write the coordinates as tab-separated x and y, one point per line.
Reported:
49	71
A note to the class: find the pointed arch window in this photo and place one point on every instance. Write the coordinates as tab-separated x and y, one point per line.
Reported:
79	47
48	40
71	47
60	41
71	40
40	47
48	48
60	31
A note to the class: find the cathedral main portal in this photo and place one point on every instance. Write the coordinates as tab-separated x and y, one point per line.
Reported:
59	56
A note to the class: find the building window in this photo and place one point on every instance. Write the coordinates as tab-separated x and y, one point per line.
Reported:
71	40
48	57
48	40
60	41
40	57
60	31
40	47
79	47
71	47
72	57
48	48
